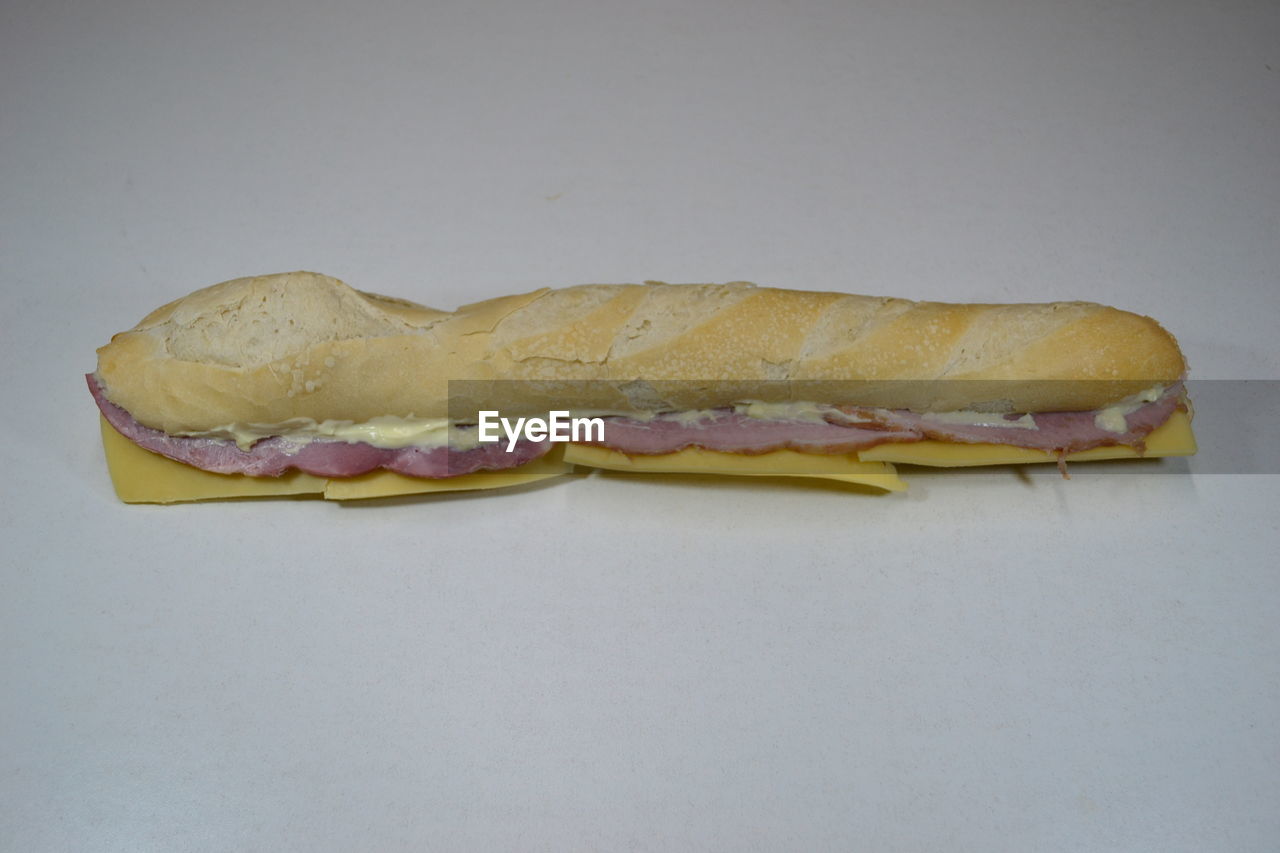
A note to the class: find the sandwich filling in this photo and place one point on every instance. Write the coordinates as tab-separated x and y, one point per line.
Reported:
750	428
322	457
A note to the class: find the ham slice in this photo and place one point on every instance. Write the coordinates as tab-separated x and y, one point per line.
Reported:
731	432
850	429
271	457
1061	432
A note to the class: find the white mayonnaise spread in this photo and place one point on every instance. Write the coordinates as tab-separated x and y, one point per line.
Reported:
394	432
388	432
1112	418
811	413
985	419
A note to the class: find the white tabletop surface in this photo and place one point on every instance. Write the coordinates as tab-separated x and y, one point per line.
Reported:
989	662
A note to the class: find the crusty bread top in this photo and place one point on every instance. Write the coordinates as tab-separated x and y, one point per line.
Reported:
273	348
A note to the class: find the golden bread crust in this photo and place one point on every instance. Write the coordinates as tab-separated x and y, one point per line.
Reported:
269	349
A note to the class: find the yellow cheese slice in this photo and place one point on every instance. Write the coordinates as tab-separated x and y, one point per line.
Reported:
778	463
1172	438
140	476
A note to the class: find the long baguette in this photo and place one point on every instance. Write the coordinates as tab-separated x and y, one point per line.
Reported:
270	349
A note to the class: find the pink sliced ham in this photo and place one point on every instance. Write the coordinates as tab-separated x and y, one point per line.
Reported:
271	457
731	432
1063	432
851	429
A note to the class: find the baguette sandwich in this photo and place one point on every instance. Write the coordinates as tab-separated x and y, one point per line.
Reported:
296	384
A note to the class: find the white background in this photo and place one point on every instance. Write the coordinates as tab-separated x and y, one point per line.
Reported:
990	662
